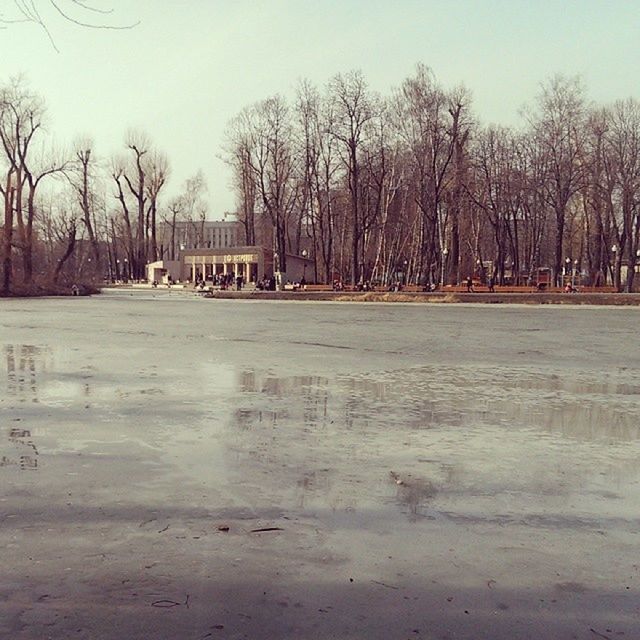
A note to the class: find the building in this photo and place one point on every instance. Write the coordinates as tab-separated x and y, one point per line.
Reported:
173	238
251	262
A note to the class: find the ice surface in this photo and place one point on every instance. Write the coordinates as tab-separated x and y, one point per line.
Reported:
429	471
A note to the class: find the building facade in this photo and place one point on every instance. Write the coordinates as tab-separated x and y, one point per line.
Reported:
185	235
251	262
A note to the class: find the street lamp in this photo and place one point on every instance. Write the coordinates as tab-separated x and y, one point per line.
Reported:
575	272
276	270
305	253
445	253
404	272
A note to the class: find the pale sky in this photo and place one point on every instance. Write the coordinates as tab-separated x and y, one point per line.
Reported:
191	65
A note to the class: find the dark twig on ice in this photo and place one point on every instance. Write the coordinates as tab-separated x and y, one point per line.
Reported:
267	529
165	604
383	584
600	635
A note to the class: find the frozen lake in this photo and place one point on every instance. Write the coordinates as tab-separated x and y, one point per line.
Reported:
424	471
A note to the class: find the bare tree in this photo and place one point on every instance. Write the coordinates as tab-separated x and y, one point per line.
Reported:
353	108
239	147
194	205
272	166
623	141
423	122
558	126
319	175
65	227
81	179
170	217
118	173
458	107
135	177
139	178
498	184
43	13
21	122
158	167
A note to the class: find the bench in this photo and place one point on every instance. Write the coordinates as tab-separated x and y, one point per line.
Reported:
483	288
329	287
603	289
318	287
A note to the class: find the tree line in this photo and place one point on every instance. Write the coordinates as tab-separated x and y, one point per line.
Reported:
413	184
70	216
372	187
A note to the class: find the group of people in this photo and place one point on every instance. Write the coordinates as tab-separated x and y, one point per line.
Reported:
338	285
490	284
540	286
223	280
266	284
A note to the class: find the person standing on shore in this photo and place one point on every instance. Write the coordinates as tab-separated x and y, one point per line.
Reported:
469	284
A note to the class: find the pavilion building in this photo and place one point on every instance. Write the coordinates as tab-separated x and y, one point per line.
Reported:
253	263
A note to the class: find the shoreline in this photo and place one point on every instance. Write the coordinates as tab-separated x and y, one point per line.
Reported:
603	299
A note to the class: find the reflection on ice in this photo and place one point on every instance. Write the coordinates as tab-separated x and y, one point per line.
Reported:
23	363
456	442
25	452
576	406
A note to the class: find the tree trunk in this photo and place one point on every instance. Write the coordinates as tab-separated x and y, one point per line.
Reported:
558	261
7	235
71	244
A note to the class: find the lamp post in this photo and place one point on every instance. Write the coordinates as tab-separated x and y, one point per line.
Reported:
614	251
567	269
305	253
445	253
405	264
575	273
276	270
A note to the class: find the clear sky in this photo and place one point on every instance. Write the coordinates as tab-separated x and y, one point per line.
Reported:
191	65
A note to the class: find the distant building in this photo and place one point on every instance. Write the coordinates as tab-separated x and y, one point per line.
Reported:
185	235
